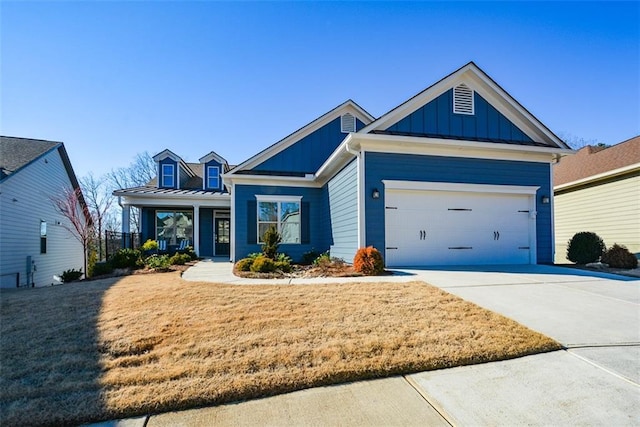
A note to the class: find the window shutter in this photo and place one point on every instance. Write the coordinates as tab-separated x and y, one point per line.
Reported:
252	222
305	235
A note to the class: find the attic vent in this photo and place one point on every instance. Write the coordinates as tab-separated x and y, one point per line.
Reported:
347	123
462	99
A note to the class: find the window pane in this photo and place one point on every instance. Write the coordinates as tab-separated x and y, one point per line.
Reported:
290	232
267	211
164	225
212	176
184	225
289	211
263	227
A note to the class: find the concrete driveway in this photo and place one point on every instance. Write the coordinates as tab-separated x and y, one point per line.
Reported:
595	381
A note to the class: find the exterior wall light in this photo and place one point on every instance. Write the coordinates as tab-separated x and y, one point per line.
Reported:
545	200
375	194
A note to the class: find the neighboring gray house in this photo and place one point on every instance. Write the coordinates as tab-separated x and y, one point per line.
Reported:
34	245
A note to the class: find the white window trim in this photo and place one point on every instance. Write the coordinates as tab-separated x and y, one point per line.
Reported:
278	200
217	174
174	212
163	175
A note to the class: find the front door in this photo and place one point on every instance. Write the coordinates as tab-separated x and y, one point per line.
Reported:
222	237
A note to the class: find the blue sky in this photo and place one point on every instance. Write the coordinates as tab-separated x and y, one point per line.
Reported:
112	79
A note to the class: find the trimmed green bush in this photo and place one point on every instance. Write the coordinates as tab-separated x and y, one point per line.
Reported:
158	262
189	251
150	245
309	257
263	264
245	264
585	247
126	258
102	268
283	266
179	259
322	259
618	256
271	239
71	275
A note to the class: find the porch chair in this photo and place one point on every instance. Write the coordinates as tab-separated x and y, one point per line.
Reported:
183	244
162	245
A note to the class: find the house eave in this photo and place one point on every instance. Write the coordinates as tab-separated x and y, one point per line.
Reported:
598	177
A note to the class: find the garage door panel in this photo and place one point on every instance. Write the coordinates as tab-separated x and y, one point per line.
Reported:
447	228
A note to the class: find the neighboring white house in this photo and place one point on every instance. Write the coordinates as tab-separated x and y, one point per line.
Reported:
598	190
34	245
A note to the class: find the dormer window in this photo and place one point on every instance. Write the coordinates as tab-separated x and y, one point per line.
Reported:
213	177
168	177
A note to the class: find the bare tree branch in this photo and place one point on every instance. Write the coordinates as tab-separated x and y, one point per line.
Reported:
99	201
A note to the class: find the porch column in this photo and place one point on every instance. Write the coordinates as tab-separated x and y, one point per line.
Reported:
196	228
126	226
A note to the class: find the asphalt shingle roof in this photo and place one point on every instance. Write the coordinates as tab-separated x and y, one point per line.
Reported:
590	161
18	152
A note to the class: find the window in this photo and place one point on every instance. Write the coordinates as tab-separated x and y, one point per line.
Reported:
213	177
43	237
174	226
281	213
167	180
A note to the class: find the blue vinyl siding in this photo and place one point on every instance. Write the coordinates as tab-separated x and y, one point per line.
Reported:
206	232
313	218
342	192
379	166
309	153
437	119
163	162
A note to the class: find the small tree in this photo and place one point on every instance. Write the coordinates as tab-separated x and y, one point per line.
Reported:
271	239
99	200
72	206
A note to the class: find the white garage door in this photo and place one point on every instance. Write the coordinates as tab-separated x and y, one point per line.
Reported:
457	228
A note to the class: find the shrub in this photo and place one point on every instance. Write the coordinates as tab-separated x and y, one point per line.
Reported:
368	261
585	247
179	259
126	258
309	257
263	264
271	239
322	259
284	266
618	256
252	256
150	245
102	268
244	264
158	262
71	275
189	251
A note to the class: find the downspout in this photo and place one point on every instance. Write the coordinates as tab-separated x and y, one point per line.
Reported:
360	184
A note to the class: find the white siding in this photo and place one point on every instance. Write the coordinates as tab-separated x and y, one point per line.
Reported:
24	201
610	210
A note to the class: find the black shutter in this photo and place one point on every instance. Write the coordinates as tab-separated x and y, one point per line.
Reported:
305	234
252	222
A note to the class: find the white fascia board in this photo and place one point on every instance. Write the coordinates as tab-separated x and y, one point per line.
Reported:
175	200
340	157
271	198
457	187
274	181
346	107
167	153
598	177
213	156
455	148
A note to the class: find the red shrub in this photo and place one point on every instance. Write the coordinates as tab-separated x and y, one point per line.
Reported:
368	261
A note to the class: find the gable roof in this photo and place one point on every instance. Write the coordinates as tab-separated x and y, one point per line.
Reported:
16	153
480	82
597	162
214	156
173	156
348	106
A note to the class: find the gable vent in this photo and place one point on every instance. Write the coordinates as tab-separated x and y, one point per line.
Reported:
347	123
462	99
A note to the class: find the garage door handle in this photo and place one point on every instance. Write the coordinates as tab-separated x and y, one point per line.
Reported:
388	247
461	247
496	235
423	235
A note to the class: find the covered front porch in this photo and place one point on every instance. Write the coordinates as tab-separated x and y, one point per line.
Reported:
200	219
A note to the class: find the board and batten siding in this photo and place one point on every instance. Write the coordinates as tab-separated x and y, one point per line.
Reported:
611	210
26	200
408	167
343	212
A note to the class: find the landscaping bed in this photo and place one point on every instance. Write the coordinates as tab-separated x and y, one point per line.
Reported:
150	343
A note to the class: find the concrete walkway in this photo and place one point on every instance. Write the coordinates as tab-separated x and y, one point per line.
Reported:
595	381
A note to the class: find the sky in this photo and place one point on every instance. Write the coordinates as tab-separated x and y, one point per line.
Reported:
113	79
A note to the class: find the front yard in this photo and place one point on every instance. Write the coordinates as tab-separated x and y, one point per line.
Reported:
144	344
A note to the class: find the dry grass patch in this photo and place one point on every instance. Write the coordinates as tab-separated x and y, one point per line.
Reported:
151	343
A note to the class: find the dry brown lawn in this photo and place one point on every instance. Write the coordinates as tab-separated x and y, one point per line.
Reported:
150	343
